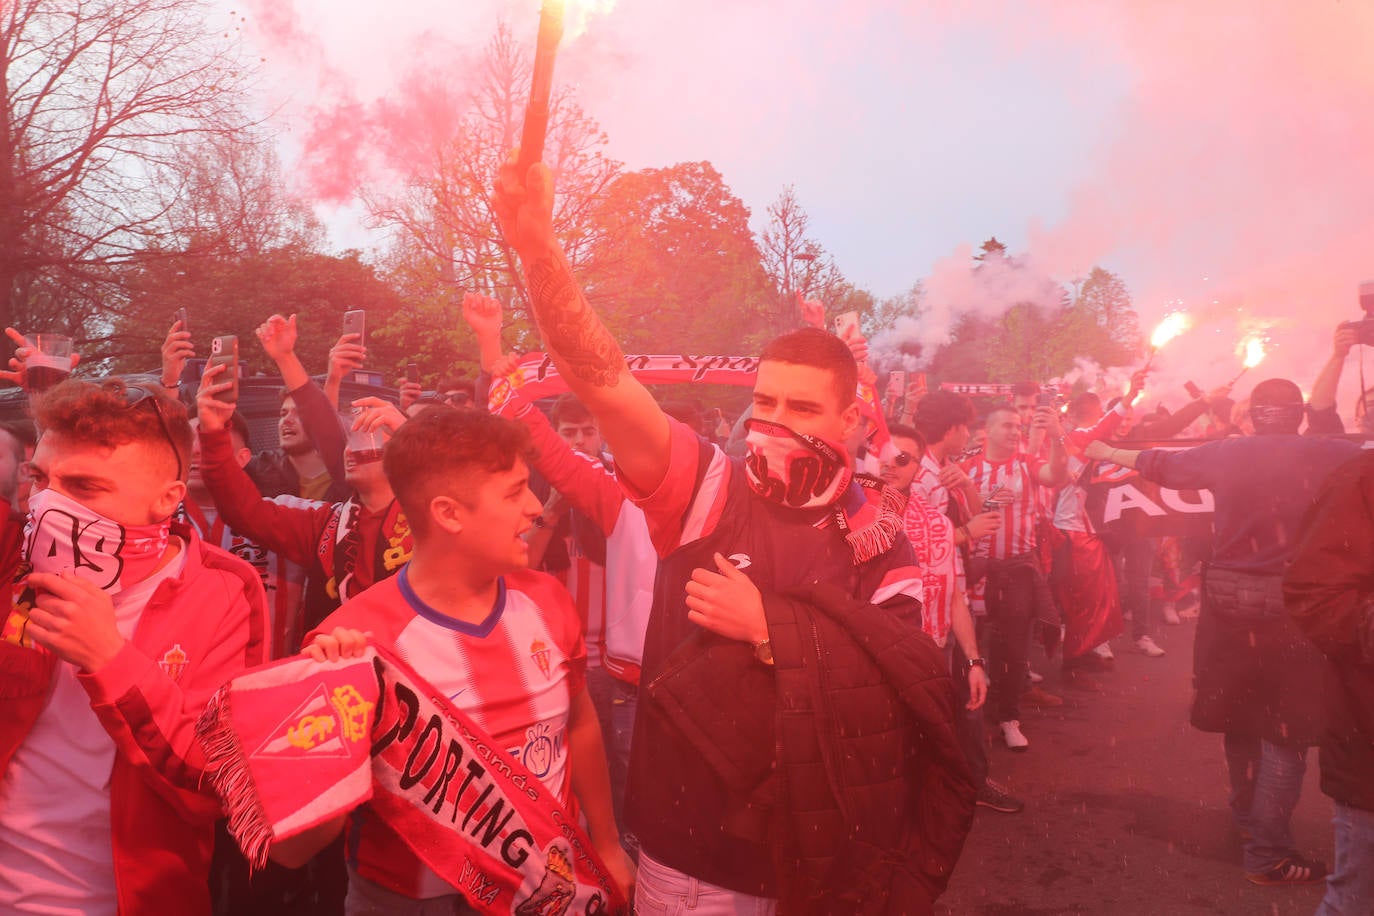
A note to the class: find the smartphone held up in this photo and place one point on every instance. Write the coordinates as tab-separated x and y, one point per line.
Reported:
224	351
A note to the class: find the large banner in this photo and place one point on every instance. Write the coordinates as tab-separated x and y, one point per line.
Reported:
536	377
1123	503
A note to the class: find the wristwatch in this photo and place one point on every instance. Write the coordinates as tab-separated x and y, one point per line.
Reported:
763	651
975	663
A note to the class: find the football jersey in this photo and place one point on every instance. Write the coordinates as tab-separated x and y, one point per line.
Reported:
1017	477
515	673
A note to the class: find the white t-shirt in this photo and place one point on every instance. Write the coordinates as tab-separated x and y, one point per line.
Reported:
56	854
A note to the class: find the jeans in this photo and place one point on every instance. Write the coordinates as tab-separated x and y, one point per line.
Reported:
1134	558
968	723
1350	886
367	898
1011	603
616	703
1266	781
663	891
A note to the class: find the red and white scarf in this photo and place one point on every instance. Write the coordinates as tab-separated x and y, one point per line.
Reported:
299	742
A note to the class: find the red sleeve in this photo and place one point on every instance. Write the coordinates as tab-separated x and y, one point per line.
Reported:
1103	429
590	488
152	719
688	504
288	525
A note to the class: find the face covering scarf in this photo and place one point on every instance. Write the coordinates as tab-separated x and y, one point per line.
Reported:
299	742
63	535
793	469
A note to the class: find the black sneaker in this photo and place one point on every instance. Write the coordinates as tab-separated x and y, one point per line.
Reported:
1292	870
993	795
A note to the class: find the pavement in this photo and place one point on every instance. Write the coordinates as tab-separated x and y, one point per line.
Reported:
1126	807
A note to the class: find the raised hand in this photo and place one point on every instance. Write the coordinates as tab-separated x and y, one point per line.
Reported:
375	413
176	349
524	207
347	354
812	311
213	413
483	315
278	337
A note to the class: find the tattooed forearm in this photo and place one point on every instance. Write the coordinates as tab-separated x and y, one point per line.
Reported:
573	333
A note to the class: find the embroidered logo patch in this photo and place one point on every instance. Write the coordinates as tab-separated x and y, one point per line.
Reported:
540	653
173	662
312	729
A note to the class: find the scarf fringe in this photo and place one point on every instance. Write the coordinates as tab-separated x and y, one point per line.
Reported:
878	536
227	766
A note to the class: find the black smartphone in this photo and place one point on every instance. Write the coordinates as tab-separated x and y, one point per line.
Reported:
413	373
224	351
184	318
355	322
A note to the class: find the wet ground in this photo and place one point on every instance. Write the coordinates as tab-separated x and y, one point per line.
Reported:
1125	807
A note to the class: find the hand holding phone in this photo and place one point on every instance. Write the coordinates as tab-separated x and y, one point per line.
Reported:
355	322
224	351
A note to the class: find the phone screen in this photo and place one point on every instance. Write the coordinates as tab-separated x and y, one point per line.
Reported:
224	351
355	322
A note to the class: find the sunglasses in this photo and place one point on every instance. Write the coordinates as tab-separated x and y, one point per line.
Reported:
903	459
136	397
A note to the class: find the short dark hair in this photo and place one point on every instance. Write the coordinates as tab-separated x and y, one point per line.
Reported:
1005	408
23	430
568	409
441	450
1079	406
1024	389
103	415
685	412
1275	392
907	432
819	350
940	411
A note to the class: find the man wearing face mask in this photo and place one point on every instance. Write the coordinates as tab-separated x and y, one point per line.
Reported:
1257	677
123	629
743	542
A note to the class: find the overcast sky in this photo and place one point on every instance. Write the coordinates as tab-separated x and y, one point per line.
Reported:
1215	154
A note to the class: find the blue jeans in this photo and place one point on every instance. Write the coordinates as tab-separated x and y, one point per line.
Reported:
1350	886
664	891
615	702
1266	781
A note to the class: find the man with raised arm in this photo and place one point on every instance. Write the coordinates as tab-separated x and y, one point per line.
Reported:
739	540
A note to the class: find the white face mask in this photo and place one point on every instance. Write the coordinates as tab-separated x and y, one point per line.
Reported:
62	535
795	470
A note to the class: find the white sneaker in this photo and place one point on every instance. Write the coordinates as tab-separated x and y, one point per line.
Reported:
1171	613
1036	678
1148	646
1011	734
1103	651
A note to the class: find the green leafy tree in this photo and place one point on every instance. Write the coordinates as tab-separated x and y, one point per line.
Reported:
676	267
100	101
233	295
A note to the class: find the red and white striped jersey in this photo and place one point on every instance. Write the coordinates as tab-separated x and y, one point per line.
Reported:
1018	477
515	673
932	537
282	580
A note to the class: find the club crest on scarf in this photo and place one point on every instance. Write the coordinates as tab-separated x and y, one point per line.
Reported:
793	469
63	535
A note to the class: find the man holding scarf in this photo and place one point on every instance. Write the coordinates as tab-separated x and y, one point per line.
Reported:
1257	677
122	630
733	536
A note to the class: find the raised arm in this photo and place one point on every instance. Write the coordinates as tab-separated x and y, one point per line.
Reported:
581	347
1324	388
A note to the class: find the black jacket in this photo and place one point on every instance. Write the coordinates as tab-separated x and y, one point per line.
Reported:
1329	590
855	775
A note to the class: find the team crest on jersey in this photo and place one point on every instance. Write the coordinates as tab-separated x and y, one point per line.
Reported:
173	662
541	655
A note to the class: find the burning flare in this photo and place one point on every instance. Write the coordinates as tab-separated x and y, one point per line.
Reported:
1174	324
1253	348
578	13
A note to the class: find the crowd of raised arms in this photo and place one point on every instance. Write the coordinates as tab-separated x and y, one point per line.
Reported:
478	651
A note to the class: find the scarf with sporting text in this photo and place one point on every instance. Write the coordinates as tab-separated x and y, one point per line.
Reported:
298	742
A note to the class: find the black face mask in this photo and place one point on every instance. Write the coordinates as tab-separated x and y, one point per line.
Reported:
1276	419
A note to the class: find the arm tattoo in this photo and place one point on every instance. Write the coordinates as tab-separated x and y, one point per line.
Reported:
572	331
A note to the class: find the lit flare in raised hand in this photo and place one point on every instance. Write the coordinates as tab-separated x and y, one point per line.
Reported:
1172	325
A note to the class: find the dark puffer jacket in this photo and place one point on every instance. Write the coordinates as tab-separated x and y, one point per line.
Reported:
1329	590
856	774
